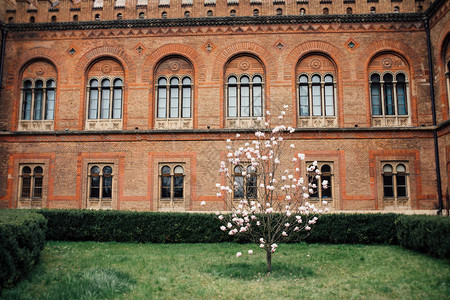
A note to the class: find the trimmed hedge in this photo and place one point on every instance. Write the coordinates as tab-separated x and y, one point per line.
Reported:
22	238
428	234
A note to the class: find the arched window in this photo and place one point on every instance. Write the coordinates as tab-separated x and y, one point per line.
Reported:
32	19
373	10
209	13
97	17
320	190
245	182
105	95
238	183
53	19
389	91
100	182
164	15
252	182
141	15
326	11
279	12
245	96
256	12
396	9
11	20
187	14
389	96
75	18
31	182
232	13
302	11
171	184
349	10
119	16
419	8
38	100
316	96
395	183
174	93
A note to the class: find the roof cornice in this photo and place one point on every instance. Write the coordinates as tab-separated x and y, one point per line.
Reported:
434	7
217	21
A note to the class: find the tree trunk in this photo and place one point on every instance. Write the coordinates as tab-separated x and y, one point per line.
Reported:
269	260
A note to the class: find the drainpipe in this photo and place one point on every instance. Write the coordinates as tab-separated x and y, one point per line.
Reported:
2	57
433	110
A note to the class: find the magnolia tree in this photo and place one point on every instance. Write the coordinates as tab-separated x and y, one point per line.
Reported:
264	191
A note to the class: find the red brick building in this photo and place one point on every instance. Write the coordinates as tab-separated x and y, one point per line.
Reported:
127	104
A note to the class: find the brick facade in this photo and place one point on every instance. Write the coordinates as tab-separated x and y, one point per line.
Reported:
135	130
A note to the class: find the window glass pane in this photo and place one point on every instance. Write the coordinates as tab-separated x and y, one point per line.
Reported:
50	105
37	190
107	187
165	186
239	188
165	170
232	99
257	101
388	186
104	113
375	78
315	79
304	102
38	170
26	170
95	187
178	186
38	100
107	170
401	99
162	101
174	81
106	83
303	79
93	100
186	108
232	80
376	99
315	193
245	101
252	189
117	103
329	99
178	170
186	81
400	77
174	100
118	83
387	169
257	79
326	193
95	170
388	97
26	187
401	180
325	169
328	79
162	81
245	80
317	102
27	98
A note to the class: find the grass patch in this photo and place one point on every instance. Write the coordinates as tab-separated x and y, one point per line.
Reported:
90	270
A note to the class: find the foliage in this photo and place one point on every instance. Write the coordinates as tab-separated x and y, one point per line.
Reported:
428	234
22	237
355	229
193	271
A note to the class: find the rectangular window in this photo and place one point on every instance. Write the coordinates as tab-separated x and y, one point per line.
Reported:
245	101
317	105
257	101
93	104
329	100
401	100
304	102
232	101
174	102
376	100
50	106
117	104
162	102
186	107
389	99
105	104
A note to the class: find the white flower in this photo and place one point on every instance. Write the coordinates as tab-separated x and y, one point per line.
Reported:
217	185
258	223
261	245
229	225
203	203
324	202
307	228
284	233
228	141
287	225
268	112
220	217
292	146
223	228
296	228
250	252
238	135
238	254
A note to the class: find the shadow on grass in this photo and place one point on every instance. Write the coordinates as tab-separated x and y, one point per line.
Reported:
252	271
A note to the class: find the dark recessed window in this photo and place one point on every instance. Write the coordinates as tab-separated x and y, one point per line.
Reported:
32	19
53	18
75	18
373	10
349	11
187	14
232	13
396	9
302	11
209	13
119	16
279	11
164	15
10	20
255	12
97	17
420	8
326	11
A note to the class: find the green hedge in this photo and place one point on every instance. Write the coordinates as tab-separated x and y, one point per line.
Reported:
22	238
428	234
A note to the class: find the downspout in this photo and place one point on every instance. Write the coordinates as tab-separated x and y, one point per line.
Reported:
2	58
433	110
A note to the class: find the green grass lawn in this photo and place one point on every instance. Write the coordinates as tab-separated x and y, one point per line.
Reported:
89	270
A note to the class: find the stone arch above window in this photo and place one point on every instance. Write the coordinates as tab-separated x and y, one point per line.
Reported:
38	96
389	90
174	80
316	80
244	83
105	80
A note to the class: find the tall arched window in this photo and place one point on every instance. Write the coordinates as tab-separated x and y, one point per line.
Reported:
388	91
38	97
395	183
245	182
100	182
105	95
321	191
245	97
316	90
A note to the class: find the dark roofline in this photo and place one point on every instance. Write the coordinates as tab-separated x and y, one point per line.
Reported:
434	7
218	21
